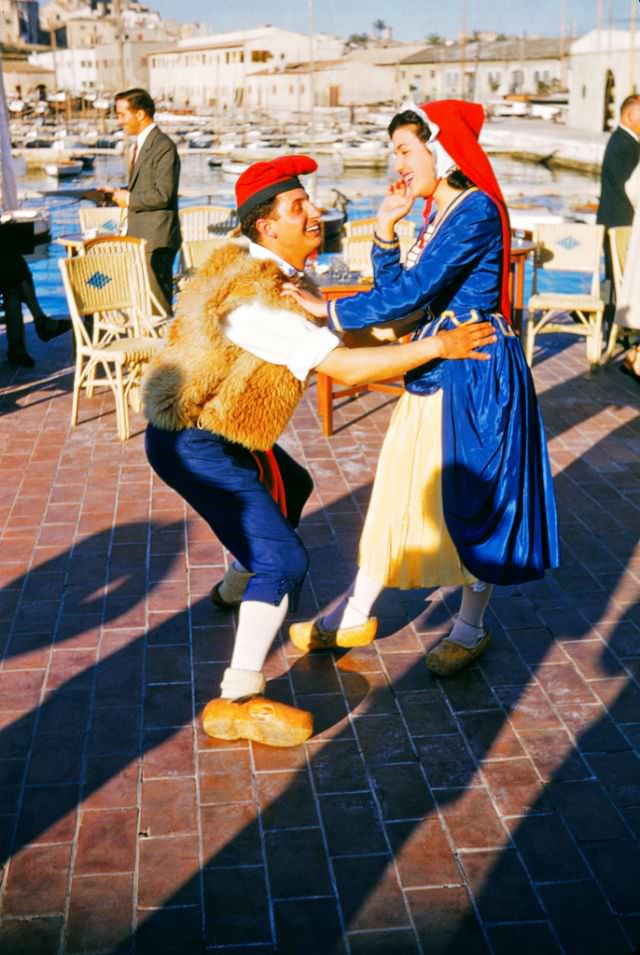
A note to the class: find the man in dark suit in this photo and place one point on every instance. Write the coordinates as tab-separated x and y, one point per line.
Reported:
152	194
620	159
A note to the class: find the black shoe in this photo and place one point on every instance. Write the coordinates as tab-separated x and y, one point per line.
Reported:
20	358
48	328
218	601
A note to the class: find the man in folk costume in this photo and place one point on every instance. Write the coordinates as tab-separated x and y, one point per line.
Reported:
217	400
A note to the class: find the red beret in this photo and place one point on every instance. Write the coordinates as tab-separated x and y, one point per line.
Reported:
263	181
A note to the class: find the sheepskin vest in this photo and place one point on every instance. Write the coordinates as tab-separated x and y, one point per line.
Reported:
201	379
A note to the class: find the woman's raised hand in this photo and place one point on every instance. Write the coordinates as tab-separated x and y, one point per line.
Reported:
462	342
395	206
310	303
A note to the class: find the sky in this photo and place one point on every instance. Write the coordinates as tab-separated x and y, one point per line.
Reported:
409	21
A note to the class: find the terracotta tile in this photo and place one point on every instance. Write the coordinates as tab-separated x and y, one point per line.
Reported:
422	853
228	919
444	917
547	850
500	884
230	835
37	936
527	706
110	783
384	739
553	754
286	800
168	753
168	806
471	818
167	706
529	939
490	736
47	815
37	881
582	919
446	760
88	929
168	872
106	842
515	786
297	863
170	930
351	824
20	689
369	893
401	791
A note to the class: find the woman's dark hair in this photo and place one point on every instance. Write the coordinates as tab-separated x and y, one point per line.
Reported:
138	99
248	222
456	179
409	118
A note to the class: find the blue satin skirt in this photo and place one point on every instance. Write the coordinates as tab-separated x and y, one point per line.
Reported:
498	498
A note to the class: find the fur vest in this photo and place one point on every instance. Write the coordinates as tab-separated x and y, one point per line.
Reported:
201	379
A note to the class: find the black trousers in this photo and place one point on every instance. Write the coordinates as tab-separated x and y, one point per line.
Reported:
161	262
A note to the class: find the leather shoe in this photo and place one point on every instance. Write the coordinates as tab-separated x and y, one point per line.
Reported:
48	328
448	657
311	635
218	600
258	719
20	358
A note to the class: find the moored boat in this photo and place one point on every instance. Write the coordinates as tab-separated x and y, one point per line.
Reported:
64	169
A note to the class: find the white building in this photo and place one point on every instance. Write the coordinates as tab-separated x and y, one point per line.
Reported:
214	70
604	69
361	78
524	65
74	70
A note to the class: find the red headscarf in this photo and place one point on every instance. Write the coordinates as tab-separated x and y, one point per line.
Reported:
460	123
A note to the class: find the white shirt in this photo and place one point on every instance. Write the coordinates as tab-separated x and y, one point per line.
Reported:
277	335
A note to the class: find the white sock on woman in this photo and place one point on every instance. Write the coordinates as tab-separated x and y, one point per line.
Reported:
468	629
355	607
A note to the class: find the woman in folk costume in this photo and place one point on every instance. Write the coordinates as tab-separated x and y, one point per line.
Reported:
219	396
463	492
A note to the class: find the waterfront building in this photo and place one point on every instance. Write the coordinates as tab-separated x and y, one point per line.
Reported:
363	77
484	70
19	22
604	69
24	80
214	71
72	70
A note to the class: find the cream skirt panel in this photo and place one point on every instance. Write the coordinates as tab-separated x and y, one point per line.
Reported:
405	542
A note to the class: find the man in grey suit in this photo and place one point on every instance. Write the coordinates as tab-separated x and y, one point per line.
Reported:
152	194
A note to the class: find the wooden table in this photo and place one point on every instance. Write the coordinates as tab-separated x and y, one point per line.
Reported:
325	394
521	249
73	243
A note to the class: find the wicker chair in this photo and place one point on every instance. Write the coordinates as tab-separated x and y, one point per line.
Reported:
95	285
103	220
206	222
567	247
149	306
359	240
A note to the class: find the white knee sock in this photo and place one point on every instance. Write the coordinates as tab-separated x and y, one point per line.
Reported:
258	625
355	607
468	629
234	584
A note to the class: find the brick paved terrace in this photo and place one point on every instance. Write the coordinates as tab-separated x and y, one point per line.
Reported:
496	812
